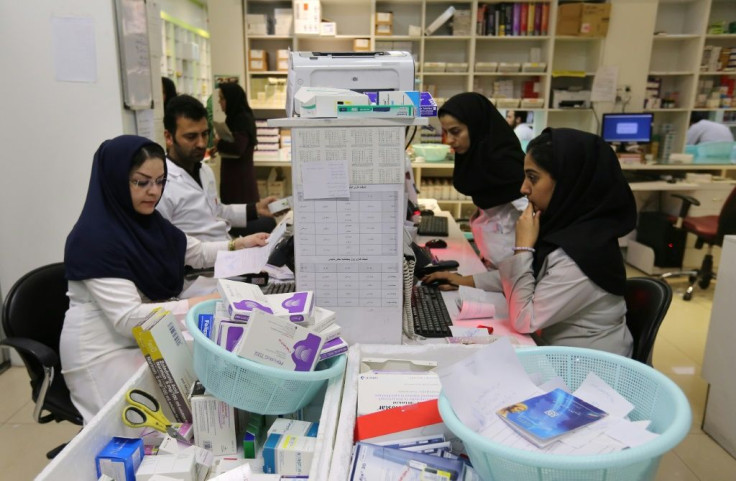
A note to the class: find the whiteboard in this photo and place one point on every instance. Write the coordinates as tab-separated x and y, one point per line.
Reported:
135	59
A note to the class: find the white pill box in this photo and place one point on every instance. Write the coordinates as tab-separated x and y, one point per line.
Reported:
242	299
294	306
279	205
277	342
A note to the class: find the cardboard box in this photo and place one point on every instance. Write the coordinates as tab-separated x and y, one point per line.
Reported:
386	18
583	19
257	65
361	45
384	29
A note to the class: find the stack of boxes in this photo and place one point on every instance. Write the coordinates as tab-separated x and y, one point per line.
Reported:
268	142
583	19
384	23
283	21
257	60
461	23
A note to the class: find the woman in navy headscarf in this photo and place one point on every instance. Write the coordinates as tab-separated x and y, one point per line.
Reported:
122	259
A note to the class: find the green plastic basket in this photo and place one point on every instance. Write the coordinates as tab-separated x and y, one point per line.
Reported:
251	386
654	396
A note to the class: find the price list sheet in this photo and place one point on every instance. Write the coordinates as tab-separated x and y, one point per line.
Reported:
348	215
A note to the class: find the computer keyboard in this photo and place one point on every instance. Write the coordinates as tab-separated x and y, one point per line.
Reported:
279	287
433	225
431	318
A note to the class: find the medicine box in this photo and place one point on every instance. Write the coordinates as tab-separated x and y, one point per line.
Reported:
277	342
294	427
294	306
288	455
120	458
242	299
180	466
214	423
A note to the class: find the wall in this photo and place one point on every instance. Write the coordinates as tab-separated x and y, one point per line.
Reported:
51	130
227	43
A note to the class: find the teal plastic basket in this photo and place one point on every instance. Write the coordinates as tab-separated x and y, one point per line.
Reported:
251	386
654	396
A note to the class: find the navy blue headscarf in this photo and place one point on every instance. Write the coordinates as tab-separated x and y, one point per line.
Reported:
111	239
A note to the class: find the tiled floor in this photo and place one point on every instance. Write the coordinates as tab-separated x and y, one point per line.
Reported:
678	353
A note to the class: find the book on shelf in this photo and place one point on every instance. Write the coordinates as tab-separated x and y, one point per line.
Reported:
160	340
439	21
547	418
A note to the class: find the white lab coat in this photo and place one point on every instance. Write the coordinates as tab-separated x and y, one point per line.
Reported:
562	302
494	230
197	210
97	349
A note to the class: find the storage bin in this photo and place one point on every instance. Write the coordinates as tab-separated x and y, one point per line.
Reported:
443	354
432	152
713	152
251	386
654	396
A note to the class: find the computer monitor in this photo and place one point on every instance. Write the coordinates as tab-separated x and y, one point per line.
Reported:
636	127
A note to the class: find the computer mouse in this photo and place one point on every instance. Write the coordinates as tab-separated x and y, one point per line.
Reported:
437	282
426	212
435	244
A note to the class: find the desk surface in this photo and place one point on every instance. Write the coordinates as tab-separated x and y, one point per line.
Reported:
458	249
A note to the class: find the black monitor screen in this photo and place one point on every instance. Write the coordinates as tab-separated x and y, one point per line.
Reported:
627	127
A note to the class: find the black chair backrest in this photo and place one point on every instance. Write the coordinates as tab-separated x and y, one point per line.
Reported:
35	308
647	301
727	218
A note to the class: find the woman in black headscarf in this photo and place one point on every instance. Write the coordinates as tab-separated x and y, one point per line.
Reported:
565	282
237	172
489	168
122	259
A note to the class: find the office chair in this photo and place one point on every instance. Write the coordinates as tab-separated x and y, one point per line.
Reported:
32	317
647	301
709	229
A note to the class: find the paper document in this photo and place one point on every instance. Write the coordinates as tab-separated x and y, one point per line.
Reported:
326	180
474	303
223	131
250	260
483	383
200	287
604	84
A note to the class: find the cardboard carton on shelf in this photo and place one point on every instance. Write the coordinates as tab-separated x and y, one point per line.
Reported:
583	19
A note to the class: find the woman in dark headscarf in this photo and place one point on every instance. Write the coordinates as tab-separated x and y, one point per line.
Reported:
237	173
565	282
122	259
489	167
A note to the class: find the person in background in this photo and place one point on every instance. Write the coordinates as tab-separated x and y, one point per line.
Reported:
169	90
191	202
237	172
489	167
123	259
703	130
565	282
517	121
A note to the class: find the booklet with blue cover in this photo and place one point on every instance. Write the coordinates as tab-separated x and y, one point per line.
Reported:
546	418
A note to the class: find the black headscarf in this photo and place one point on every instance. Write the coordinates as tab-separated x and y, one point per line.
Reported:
492	170
238	114
111	239
591	207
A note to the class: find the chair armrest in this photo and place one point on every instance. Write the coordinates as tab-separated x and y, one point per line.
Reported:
45	355
687	201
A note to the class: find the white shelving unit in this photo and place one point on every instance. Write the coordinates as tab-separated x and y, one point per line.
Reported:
678	41
186	57
355	20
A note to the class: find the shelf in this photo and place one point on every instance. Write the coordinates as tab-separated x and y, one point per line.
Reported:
396	38
527	38
444	74
270	37
671	73
509	74
722	36
567	111
718	73
269	72
675	36
676	109
720	109
448	37
573	38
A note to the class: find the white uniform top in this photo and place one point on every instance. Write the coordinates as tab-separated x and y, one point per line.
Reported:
524	132
197	210
569	308
97	349
494	230
707	131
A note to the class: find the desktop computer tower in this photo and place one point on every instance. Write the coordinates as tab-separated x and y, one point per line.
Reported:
668	242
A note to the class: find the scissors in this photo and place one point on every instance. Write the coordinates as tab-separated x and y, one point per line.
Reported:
143	410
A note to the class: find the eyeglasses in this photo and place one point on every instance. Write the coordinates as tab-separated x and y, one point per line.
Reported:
144	184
